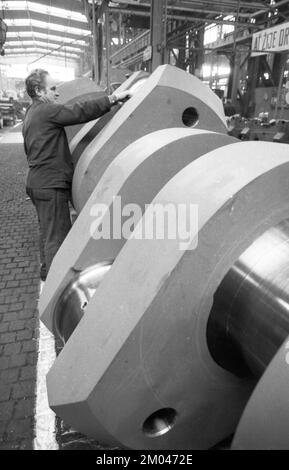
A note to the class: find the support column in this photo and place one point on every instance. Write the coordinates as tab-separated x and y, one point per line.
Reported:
120	36
278	67
234	78
99	34
107	42
201	54
253	75
158	32
181	62
95	73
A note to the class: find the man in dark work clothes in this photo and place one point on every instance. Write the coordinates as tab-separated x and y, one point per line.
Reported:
50	164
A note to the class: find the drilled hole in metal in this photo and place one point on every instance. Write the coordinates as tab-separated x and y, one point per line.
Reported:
160	422
190	117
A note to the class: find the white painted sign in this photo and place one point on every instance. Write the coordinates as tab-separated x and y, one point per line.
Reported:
274	39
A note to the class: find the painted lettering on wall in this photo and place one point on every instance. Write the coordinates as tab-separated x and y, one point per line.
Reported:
274	39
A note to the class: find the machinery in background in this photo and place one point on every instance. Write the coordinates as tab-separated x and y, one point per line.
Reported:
8	111
174	342
261	128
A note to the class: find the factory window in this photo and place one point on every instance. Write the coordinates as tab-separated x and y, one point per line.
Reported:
227	28
211	34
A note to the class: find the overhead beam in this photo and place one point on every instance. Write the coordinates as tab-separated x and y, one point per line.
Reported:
188	17
19	29
182	9
24	14
221	3
44	41
39	51
191	4
43	45
32	57
72	5
38	46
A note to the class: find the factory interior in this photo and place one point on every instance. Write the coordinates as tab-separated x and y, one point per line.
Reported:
162	321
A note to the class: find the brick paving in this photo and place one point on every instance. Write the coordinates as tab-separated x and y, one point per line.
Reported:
19	286
19	323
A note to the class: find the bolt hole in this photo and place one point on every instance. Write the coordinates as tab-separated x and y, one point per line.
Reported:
160	422
84	305
190	117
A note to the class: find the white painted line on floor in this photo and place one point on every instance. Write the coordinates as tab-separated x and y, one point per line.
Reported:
45	419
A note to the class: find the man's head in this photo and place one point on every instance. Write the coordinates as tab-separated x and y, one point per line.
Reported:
39	85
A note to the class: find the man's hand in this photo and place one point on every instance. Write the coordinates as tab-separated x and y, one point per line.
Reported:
122	96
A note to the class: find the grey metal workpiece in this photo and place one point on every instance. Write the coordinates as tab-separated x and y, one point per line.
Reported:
169	98
165	342
89	131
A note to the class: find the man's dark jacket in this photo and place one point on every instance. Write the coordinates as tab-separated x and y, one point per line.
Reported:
45	141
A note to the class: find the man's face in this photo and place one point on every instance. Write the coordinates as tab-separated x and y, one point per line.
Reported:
49	92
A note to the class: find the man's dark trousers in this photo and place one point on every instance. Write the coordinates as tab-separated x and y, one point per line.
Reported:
52	206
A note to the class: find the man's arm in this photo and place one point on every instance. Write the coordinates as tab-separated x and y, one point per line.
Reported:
67	115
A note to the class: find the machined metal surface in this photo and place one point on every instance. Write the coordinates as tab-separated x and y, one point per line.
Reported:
153	159
90	130
249	320
265	421
169	98
75	298
150	333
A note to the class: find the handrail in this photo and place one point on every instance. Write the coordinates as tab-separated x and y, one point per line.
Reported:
135	46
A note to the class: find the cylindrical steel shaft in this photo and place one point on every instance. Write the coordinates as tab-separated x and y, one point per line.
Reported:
250	316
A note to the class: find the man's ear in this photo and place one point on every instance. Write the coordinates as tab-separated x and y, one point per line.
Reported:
37	91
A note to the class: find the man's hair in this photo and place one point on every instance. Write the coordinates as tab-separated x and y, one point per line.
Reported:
34	81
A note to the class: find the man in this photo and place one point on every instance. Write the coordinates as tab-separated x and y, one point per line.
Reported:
50	164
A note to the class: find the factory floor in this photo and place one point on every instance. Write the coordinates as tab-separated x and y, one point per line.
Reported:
26	348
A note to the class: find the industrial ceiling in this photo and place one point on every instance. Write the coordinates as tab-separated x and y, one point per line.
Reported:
58	28
62	28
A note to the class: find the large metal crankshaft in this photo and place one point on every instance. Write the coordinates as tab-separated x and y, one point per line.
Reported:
169	348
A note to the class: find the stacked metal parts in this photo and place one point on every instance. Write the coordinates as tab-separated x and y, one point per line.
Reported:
168	347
